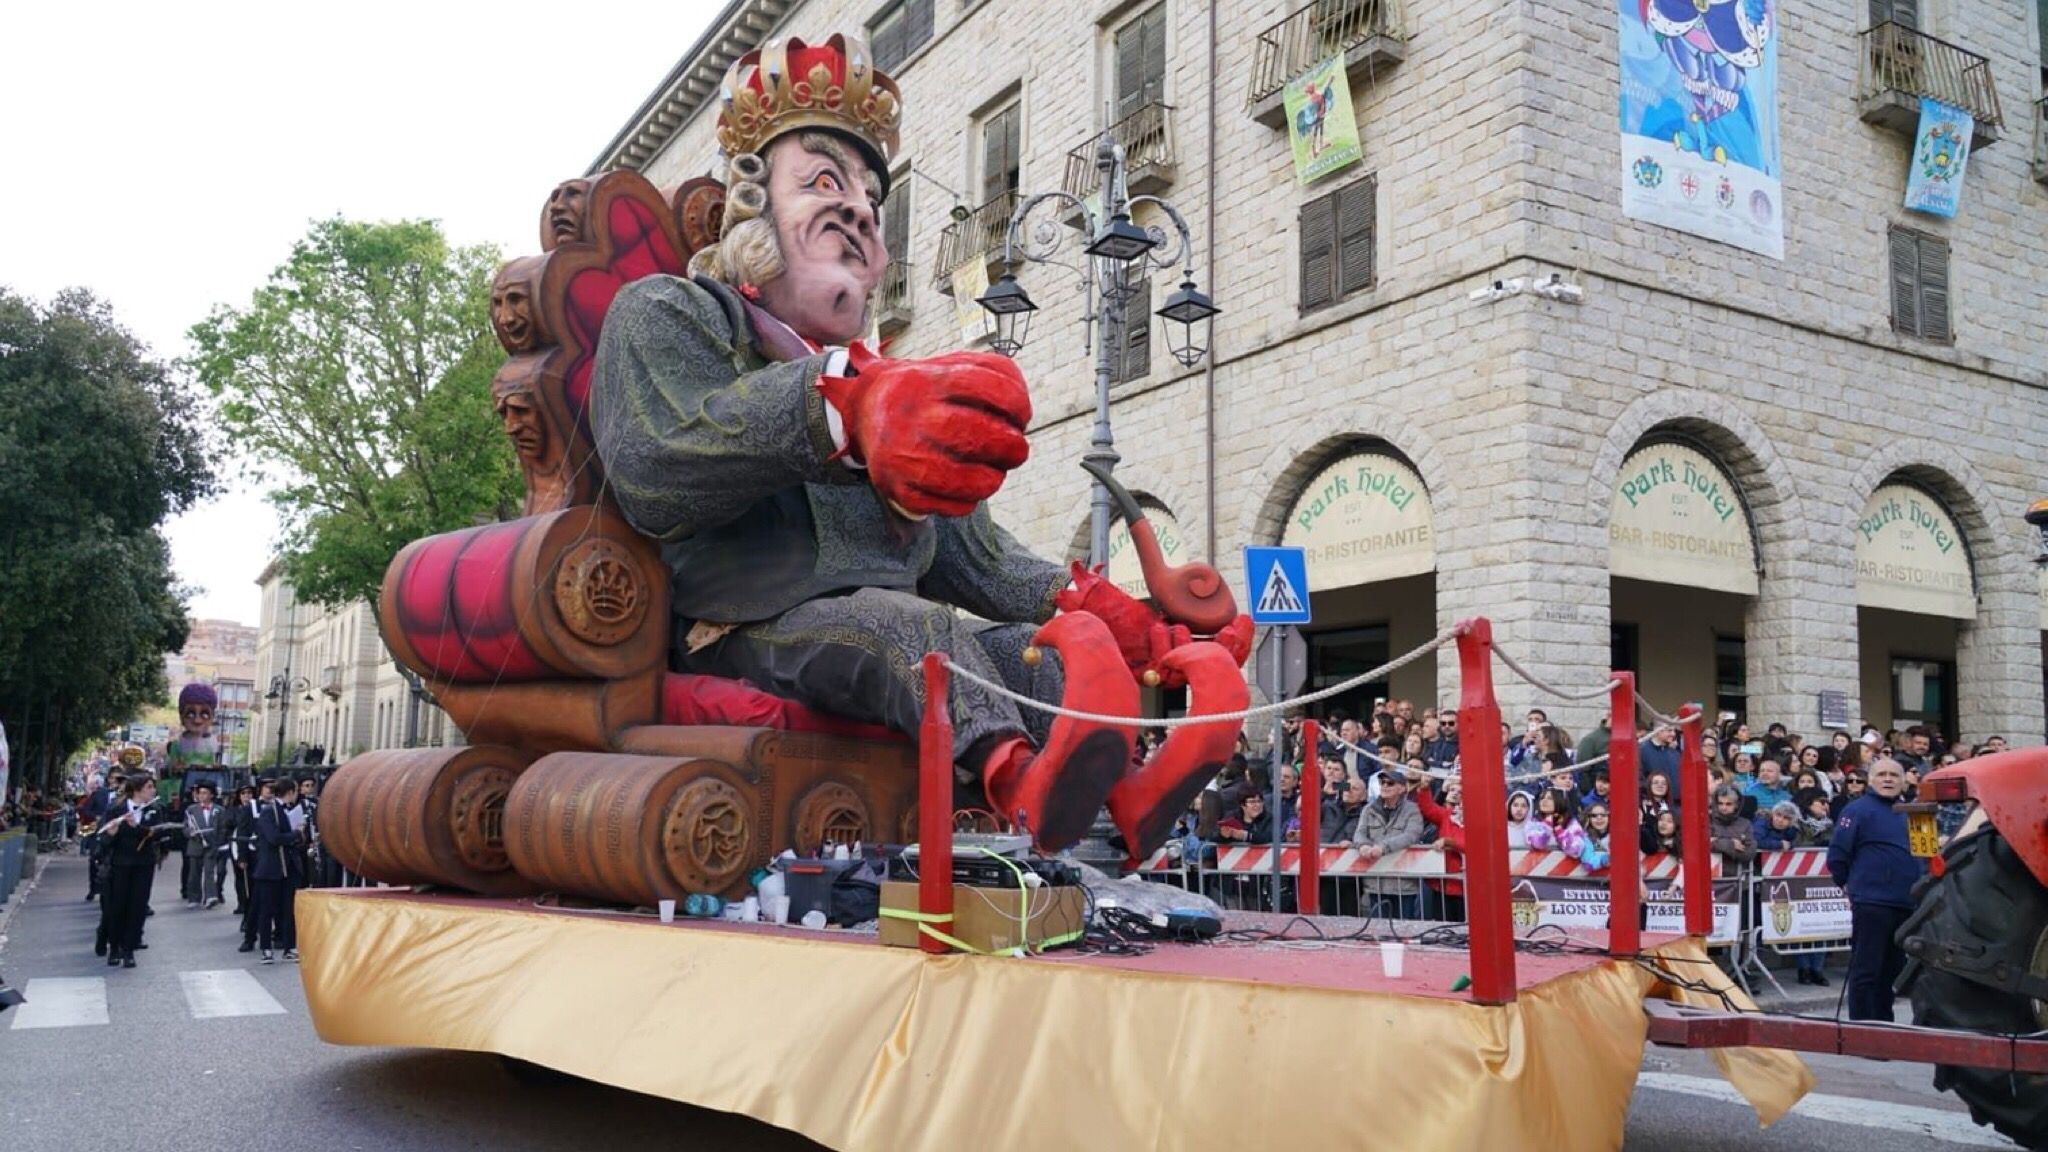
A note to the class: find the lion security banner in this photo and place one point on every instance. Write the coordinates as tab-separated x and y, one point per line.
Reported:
1699	119
1320	124
1796	909
1582	903
1934	183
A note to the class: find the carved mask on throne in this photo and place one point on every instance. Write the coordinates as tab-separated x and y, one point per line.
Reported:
519	410
512	314
562	220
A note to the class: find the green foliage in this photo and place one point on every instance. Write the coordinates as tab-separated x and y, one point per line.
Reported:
359	377
98	446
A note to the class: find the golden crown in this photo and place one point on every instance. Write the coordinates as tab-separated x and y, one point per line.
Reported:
787	85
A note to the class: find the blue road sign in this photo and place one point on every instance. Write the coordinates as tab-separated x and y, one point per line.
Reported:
1277	580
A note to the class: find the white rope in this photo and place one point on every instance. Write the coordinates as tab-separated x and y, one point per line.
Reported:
1439	640
1443	774
1648	709
1541	686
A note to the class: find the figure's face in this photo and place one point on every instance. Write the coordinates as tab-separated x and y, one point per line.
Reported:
1725	804
512	313
1667	824
1254	806
1354	792
1288	779
1995	744
196	719
565	211
1918	744
522	424
830	237
1596	821
1518	807
1392	788
1767	773
1840	740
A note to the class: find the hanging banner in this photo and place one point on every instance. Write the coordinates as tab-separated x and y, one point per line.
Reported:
1583	904
1934	182
1123	557
1699	119
1364	518
970	284
1677	519
1910	557
1801	909
1321	128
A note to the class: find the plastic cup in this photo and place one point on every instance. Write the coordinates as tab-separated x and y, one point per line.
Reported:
668	911
1393	953
778	909
750	910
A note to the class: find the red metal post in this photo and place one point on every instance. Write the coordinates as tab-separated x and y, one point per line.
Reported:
1490	923
935	804
1309	803
1624	849
1695	868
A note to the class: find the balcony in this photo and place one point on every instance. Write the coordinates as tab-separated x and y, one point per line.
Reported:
979	237
330	681
892	301
1901	64
2041	140
1146	137
1368	33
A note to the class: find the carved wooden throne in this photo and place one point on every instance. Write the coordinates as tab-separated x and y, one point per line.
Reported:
592	768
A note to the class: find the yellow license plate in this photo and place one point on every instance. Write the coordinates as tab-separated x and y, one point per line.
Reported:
1920	834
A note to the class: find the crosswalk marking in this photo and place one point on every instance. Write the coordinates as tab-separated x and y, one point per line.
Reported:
61	1002
1952	1128
227	992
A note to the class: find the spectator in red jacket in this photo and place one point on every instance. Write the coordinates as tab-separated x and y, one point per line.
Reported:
1448	817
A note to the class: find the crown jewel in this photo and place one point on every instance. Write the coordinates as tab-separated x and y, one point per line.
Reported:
787	85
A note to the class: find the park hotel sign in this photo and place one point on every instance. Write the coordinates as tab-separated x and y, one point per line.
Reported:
1677	519
1910	558
1365	518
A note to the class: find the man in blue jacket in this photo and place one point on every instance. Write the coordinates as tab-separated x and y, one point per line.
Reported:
1870	860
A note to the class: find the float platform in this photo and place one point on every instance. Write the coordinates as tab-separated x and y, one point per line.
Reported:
860	1046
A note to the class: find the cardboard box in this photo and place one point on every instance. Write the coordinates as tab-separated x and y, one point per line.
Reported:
989	918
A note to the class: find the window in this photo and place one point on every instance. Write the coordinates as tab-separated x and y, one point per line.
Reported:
1731	675
1336	233
1905	13
1002	165
1919	277
896	218
1127	328
1141	62
898	30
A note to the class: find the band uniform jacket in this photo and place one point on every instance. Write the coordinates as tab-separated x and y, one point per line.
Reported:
715	442
278	856
129	845
205	830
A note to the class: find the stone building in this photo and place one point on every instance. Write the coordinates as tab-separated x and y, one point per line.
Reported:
1469	382
336	684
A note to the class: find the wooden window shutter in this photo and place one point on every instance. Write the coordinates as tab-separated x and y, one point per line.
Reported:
1141	62
1905	13
896	220
917	25
1934	294
1356	216
1000	139
1905	281
885	37
1318	233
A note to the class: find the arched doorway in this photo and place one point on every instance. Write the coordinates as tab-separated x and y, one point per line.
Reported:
1915	587
1368	526
1683	574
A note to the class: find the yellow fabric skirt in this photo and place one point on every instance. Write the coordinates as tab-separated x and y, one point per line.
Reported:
858	1046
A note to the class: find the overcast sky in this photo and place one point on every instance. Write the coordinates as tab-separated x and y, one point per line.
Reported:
166	156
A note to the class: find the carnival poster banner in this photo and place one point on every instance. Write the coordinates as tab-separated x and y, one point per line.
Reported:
970	284
1583	904
1934	181
1321	127
1794	909
1699	119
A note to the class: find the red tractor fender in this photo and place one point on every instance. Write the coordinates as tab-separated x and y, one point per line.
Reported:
2013	789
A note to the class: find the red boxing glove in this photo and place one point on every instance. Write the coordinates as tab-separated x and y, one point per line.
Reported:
936	435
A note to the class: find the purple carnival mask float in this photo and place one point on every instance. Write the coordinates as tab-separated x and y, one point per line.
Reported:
192	757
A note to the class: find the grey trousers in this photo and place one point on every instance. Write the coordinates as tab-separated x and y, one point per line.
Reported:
859	656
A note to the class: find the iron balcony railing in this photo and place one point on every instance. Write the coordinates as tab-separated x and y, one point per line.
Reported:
894	302
330	680
1901	59
1146	137
973	238
1313	32
2041	140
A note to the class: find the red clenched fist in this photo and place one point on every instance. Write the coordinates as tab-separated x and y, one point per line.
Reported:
1142	634
936	435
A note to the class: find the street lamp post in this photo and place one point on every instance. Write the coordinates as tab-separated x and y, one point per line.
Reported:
1119	253
282	686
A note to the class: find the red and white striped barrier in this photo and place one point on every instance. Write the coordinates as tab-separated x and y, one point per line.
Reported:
1343	860
1800	862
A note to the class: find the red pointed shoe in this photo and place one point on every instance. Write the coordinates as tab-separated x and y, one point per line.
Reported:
1057	790
1146	803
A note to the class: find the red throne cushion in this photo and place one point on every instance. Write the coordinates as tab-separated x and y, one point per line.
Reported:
687	698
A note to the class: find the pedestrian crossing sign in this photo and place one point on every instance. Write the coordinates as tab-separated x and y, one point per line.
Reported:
1277	580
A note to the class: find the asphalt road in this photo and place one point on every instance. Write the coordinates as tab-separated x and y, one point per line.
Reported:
202	1048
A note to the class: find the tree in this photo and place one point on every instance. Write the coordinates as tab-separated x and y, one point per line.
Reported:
99	445
359	376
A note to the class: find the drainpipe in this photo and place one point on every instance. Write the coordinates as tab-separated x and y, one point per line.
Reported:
1209	239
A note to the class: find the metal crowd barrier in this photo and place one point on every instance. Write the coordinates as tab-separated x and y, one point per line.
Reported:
13	851
1784	901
